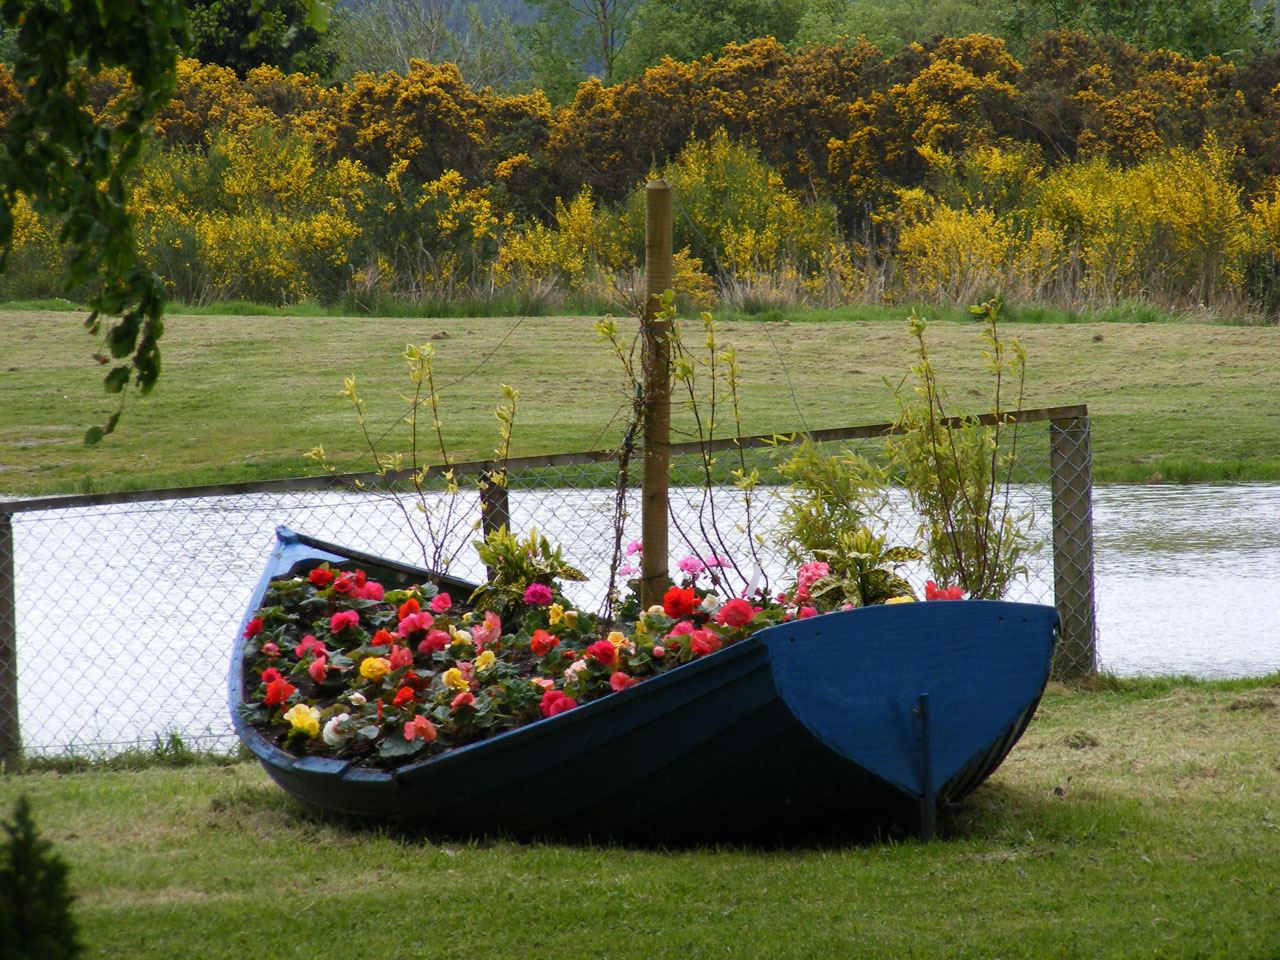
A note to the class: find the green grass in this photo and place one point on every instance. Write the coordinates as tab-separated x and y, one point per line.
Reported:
1136	819
244	397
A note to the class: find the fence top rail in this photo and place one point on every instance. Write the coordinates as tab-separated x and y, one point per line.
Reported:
477	467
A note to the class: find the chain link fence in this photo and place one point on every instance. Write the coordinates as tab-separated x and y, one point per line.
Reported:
118	612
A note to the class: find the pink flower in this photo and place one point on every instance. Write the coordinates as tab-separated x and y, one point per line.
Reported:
436	640
736	613
468	671
464	699
400	657
555	701
318	668
659	651
603	651
343	619
692	566
681	629
488	632
538	595
627	570
804	612
320	577
415	622
373	591
441	602
271	650
703	642
419	726
546	683
934	592
807	576
253	627
305	645
634	547
620	681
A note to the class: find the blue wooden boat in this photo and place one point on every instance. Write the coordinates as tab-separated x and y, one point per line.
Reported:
844	724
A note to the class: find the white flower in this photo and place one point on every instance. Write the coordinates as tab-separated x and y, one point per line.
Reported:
332	735
571	672
709	605
358	699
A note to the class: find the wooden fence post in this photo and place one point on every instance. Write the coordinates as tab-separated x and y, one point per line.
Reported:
1070	464
495	511
10	731
657	394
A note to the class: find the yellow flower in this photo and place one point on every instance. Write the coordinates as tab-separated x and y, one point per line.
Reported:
617	638
900	600
555	613
459	637
375	668
304	718
485	660
571	619
453	679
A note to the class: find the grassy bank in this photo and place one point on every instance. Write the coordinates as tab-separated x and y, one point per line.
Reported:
1138	819
244	397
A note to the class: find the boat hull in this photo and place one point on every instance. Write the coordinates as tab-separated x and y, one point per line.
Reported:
843	724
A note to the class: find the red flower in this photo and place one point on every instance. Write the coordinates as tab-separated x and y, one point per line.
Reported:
269	674
344	585
253	627
403	695
703	642
318	668
620	681
541	642
436	640
320	578
934	592
736	613
464	699
381	638
679	602
278	691
408	607
555	701
603	651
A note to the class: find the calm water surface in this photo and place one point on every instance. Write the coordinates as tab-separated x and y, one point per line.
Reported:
126	614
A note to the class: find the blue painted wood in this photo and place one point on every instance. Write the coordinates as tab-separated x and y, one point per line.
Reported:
807	727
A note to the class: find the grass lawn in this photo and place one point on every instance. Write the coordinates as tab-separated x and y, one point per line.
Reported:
245	397
1138	819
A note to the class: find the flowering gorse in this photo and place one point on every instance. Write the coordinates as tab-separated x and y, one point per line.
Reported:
339	664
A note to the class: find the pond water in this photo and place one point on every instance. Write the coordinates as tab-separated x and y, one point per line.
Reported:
126	613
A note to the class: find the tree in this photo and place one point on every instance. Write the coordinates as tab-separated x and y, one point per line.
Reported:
72	164
241	35
575	39
35	905
690	29
1196	28
377	36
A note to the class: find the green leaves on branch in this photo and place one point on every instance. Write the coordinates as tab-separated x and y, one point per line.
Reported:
958	470
73	166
